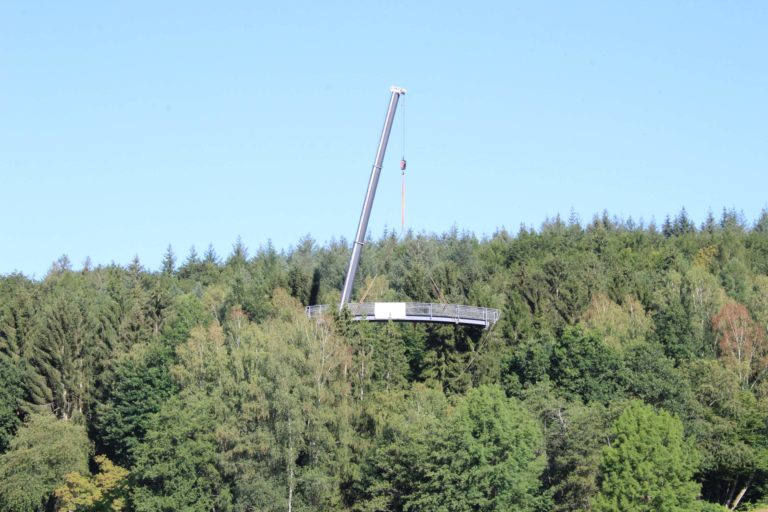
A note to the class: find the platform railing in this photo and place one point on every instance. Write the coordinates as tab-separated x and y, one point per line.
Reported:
419	312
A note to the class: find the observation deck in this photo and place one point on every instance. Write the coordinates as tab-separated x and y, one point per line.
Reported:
414	312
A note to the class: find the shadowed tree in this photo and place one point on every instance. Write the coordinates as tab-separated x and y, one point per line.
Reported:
489	457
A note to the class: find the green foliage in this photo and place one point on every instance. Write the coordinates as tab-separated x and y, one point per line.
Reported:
187	312
11	392
618	325
578	436
489	456
176	467
140	387
729	425
532	359
206	381
404	428
486	454
269	422
18	308
652	377
16	313
77	329
649	465
575	435
445	358
44	450
673	313
103	492
584	365
169	261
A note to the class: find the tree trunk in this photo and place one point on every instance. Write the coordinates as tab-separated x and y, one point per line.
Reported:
290	467
731	490
741	493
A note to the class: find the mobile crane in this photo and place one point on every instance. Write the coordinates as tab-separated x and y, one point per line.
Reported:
397	311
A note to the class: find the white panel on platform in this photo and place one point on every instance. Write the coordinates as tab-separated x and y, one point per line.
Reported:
389	310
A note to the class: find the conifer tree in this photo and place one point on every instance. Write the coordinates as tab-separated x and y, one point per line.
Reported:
649	465
169	261
11	392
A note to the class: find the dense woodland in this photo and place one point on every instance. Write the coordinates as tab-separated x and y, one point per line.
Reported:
628	371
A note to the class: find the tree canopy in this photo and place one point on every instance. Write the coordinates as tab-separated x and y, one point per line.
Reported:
627	372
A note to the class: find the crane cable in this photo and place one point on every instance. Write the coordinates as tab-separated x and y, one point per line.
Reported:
402	169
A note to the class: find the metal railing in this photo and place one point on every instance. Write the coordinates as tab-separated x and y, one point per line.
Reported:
418	312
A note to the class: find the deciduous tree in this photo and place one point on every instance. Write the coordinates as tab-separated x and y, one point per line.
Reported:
44	450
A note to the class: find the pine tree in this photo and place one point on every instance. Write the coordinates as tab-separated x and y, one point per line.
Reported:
761	225
210	255
140	387
649	465
239	254
11	393
76	332
169	261
19	305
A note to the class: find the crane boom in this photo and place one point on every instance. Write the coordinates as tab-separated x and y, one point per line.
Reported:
357	247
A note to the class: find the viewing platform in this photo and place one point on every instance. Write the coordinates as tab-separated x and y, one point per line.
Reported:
414	312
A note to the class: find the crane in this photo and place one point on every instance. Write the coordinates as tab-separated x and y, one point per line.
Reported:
397	311
362	227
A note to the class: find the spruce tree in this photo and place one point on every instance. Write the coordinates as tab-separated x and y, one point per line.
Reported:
169	261
649	465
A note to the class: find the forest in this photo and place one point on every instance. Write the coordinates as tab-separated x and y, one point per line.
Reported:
628	372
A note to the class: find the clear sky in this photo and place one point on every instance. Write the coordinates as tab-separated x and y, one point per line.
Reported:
128	126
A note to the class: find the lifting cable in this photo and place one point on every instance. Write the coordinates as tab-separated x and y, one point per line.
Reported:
402	169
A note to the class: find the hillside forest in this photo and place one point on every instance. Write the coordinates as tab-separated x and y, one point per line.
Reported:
628	372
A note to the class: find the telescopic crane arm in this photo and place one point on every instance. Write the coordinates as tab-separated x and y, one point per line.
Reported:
362	228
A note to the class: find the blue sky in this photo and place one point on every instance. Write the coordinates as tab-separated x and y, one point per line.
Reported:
128	126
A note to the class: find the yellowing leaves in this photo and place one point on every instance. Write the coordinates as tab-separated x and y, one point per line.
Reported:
103	491
619	325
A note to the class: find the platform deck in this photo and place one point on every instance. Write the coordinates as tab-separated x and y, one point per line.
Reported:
415	312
